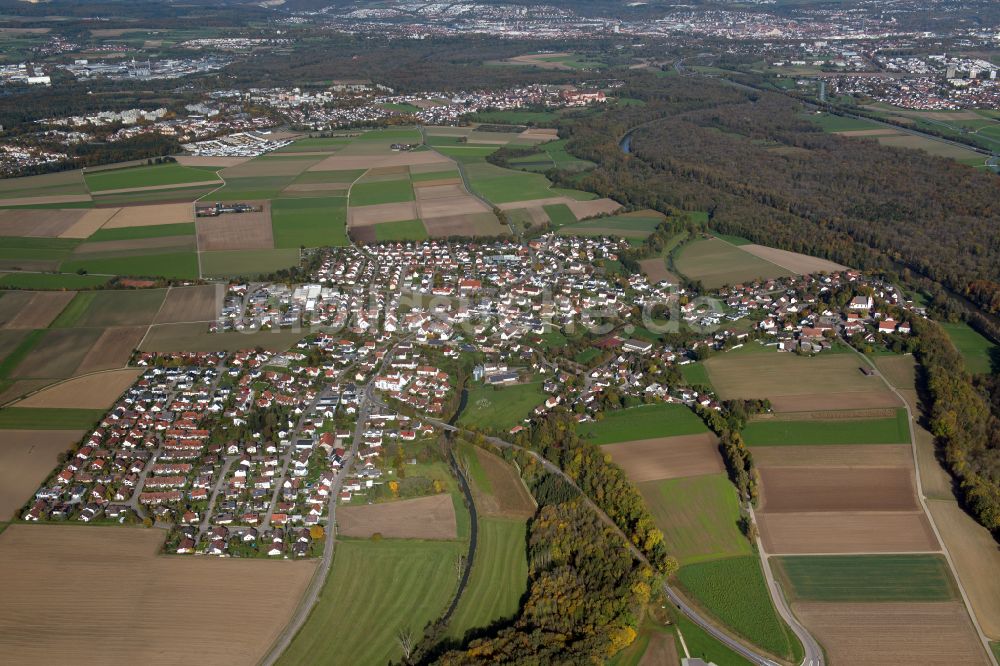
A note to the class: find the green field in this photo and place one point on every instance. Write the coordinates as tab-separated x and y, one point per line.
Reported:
698	517
847	578
145	176
501	408
981	356
434	175
394	135
315	144
374	590
715	263
734	591
560	215
695	374
498	185
467	153
644	422
24	251
251	188
390	191
846	431
153	231
629	225
51	281
311	222
225	263
182	265
32	418
404	230
499	577
173	195
59	183
516	117
701	645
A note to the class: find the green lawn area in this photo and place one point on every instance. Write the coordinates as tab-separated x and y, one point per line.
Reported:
153	231
145	176
40	418
51	280
182	265
499	576
979	353
698	517
846	578
846	431
225	263
644	422
374	590
560	214
695	374
501	408
734	591
311	222
404	230
390	191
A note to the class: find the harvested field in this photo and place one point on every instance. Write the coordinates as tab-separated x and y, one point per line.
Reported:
419	185
716	262
27	457
147	216
846	532
928	145
431	517
11	304
325	188
881	131
977	561
900	371
157	188
43	307
809	489
132	247
58	354
95	391
858	414
843	455
660	651
59	187
509	497
891	634
834	401
191	304
342	162
540	133
359	216
112	349
132	594
199	160
243	231
39	223
541	60
584	209
45	200
477	224
535	203
440	191
91	221
793	261
655	269
667	457
283	166
461	205
121	308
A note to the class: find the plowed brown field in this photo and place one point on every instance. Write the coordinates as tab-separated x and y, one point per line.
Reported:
805	489
509	497
112	349
667	457
27	457
96	391
842	455
191	304
430	517
848	532
43	307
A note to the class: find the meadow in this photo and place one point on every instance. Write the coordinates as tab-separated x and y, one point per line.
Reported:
644	422
181	265
869	578
734	591
981	356
845	431
48	418
374	590
501	408
715	263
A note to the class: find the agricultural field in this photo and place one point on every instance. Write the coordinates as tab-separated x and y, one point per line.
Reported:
131	591
501	408
27	457
499	576
496	486
46	418
836	124
431	517
809	489
195	337
667	457
868	578
715	263
698	516
821	430
160	175
95	391
846	532
981	356
644	422
384	586
404	230
734	591
384	192
639	224
247	262
309	222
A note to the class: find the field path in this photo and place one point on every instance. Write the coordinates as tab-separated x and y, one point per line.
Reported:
923	505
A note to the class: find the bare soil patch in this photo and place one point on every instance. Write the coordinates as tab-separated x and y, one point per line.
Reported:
406	158
425	184
806	489
901	371
509	498
269	167
540	133
199	160
847	532
842	455
122	246
977	561
317	187
11	304
891	634
43	307
191	304
858	414
112	349
242	231
132	595
461	205
478	224
96	391
58	354
51	199
667	457
360	216
146	216
584	209
793	261
38	222
660	651
26	459
440	191
91	221
655	269
534	203
364	234
431	517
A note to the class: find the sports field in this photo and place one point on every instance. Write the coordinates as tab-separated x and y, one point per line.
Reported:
775	432
644	422
375	590
501	408
698	516
715	263
499	576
